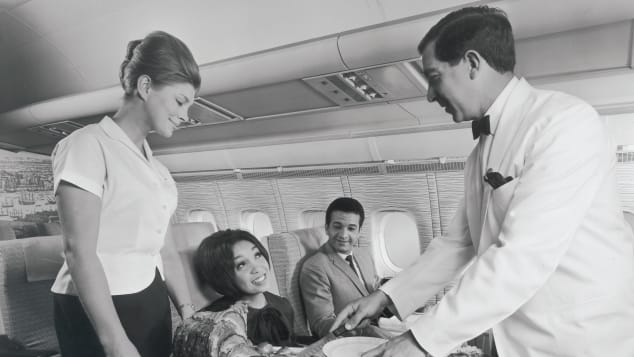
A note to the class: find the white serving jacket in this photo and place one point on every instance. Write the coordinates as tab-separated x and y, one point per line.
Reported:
544	260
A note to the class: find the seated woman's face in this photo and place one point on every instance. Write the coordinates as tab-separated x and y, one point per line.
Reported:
251	268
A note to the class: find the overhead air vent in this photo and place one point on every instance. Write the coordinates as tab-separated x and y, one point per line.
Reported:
395	81
204	112
57	130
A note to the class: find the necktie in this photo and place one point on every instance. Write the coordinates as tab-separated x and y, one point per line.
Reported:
481	127
349	260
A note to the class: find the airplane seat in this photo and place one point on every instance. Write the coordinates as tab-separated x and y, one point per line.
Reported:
49	229
6	231
288	252
187	237
273	287
28	268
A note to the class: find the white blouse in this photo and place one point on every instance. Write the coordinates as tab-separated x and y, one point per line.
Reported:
138	197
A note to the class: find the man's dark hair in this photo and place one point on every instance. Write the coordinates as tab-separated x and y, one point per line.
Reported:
213	260
483	29
347	205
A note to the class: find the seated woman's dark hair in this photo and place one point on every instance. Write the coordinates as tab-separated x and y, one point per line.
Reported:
160	56
213	260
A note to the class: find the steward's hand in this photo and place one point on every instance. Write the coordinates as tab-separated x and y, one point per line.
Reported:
357	311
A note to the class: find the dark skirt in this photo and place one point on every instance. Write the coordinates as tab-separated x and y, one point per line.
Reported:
145	317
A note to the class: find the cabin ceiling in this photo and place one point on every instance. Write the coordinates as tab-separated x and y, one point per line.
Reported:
271	69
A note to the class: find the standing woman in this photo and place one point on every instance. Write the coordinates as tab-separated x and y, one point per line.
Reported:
115	201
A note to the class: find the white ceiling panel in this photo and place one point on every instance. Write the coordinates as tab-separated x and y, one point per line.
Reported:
394	9
99	51
314	152
427	113
14	33
419	145
10	4
617	88
34	77
46	17
311	126
621	127
537	17
7	94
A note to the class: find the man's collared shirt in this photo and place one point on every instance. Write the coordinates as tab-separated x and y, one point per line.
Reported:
354	261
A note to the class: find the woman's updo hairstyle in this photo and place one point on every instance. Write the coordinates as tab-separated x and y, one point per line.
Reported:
213	260
162	57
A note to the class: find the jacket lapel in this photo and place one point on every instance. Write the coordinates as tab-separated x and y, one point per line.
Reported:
367	269
507	131
504	143
473	195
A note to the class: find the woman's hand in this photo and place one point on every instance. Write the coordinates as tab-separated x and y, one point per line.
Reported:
187	310
265	349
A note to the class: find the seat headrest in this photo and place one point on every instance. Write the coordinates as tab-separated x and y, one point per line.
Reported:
43	257
189	235
311	238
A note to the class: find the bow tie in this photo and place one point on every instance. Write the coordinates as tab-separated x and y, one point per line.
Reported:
481	127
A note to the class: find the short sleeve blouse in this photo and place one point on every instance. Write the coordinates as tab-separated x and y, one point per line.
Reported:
138	197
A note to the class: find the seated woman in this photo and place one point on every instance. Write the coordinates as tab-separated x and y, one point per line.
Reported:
236	265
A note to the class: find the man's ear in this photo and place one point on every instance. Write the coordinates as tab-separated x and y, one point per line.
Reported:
143	86
474	61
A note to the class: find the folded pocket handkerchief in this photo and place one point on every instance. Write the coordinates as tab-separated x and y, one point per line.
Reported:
495	179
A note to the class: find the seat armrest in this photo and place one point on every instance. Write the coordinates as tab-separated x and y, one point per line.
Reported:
13	348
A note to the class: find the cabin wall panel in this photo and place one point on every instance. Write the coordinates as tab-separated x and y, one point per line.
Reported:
625	180
407	192
308	193
200	195
243	195
434	205
345	183
450	187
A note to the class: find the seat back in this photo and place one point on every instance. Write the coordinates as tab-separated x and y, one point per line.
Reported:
273	287
288	252
187	237
6	231
28	268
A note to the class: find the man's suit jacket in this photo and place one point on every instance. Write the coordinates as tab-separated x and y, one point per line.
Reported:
551	257
327	284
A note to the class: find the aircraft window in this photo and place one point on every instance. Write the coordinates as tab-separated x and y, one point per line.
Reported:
201	215
258	223
313	218
399	244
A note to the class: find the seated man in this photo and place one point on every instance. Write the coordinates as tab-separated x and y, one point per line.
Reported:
337	273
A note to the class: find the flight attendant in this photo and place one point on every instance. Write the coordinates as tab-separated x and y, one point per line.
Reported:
115	201
539	245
